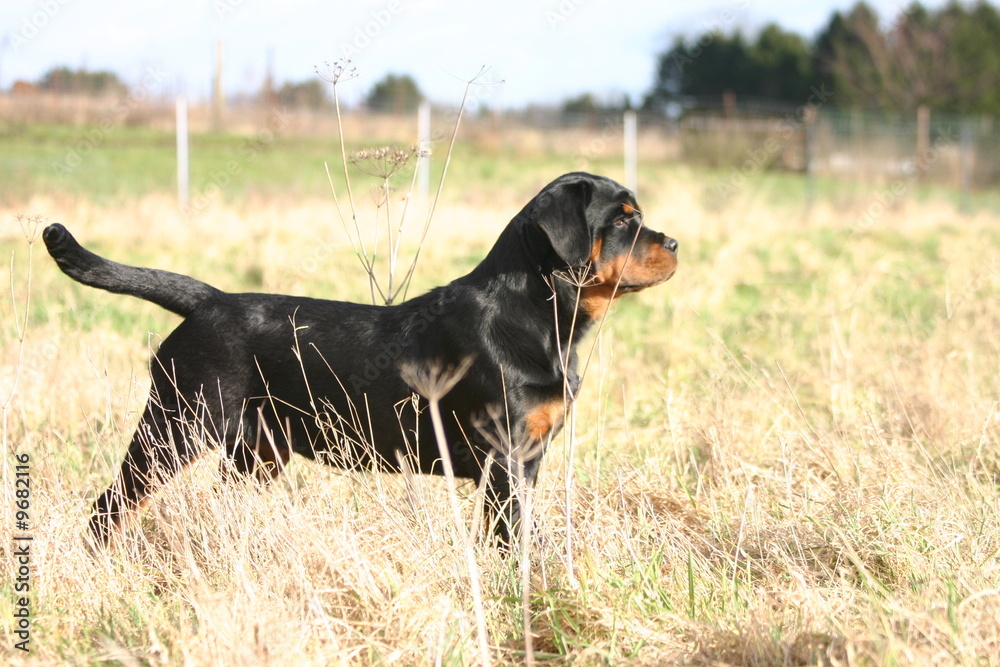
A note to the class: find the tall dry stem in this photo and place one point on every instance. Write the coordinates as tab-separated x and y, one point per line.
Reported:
580	279
30	226
392	290
433	383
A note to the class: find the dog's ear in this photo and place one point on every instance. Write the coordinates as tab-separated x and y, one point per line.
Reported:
561	212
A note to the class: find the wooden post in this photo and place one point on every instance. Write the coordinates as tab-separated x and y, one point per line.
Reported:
808	150
729	103
182	153
218	97
923	139
965	164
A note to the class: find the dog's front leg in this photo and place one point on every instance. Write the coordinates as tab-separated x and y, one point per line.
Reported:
506	489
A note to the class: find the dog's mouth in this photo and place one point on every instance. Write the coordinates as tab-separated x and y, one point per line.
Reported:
628	288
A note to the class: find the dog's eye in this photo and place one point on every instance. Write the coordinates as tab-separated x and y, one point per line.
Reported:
621	222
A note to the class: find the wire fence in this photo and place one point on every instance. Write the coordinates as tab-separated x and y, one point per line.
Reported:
746	136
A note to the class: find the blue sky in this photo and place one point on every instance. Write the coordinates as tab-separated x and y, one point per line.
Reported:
544	51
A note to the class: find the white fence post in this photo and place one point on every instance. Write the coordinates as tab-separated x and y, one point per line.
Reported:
182	153
631	149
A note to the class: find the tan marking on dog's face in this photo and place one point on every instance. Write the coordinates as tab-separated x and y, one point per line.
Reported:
544	418
595	252
650	264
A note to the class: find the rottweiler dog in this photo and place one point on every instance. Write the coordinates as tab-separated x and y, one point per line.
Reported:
265	375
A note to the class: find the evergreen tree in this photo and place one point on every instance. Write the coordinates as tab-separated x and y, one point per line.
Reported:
81	81
395	93
307	94
783	63
973	36
713	64
946	59
776	65
850	55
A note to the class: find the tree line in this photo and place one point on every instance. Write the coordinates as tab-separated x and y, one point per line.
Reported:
81	81
397	93
946	59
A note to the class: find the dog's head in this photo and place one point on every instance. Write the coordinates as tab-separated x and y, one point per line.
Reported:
595	228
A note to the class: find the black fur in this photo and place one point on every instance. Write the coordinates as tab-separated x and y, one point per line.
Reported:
266	375
178	294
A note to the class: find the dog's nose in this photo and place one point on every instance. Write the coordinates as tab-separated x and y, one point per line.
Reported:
670	244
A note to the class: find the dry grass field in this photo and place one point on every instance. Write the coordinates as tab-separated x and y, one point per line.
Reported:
788	454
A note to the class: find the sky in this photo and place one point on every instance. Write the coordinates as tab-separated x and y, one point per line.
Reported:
543	52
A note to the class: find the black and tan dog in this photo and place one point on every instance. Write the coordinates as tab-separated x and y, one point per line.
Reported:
265	375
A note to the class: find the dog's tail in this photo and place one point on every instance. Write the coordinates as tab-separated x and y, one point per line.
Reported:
177	293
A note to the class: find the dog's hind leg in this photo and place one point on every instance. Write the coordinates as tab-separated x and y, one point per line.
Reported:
257	451
160	449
